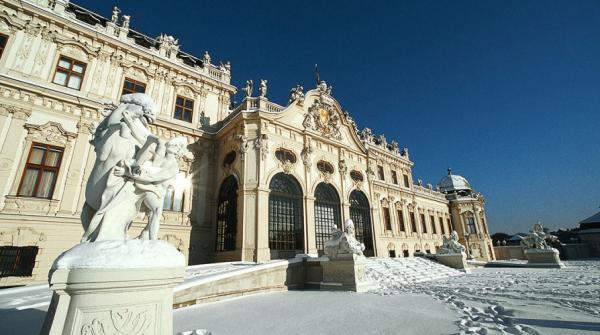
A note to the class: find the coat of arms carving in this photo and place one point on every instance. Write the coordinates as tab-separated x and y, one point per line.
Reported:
324	118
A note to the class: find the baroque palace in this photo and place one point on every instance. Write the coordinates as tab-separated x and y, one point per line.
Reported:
262	181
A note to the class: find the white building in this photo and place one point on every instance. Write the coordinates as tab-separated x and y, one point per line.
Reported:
265	180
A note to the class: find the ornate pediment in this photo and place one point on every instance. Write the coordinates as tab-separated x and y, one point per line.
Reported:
323	117
50	132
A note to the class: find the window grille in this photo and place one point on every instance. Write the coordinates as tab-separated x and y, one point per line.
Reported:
227	215
360	214
286	220
17	261
327	213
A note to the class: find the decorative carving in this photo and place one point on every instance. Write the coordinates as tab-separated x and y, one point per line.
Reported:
50	132
17	112
132	321
168	46
243	148
21	236
342	167
306	154
297	95
261	143
324	118
95	327
367	135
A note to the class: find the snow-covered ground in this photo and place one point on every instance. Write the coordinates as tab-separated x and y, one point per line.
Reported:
485	301
518	300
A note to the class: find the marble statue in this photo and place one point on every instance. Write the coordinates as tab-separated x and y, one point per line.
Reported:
126	19
248	88
451	245
262	89
536	239
343	242
115	15
297	94
133	168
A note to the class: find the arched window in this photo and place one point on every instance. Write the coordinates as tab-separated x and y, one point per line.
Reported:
227	215
360	213
327	213
286	220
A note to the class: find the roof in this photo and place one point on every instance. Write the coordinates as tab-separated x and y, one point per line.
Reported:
453	182
591	222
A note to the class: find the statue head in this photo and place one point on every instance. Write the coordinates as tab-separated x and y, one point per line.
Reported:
145	102
177	146
454	235
349	225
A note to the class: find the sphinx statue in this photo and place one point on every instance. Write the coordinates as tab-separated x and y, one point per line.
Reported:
451	245
343	242
132	169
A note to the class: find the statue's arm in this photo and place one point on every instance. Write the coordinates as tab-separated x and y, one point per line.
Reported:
164	174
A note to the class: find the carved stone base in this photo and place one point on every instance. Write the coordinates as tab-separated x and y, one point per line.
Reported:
345	274
456	261
543	258
131	295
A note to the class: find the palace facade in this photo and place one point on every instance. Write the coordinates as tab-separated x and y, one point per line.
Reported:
263	181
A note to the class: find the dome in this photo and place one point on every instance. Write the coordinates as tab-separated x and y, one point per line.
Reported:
453	182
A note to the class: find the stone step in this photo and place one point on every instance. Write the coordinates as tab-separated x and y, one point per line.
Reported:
406	271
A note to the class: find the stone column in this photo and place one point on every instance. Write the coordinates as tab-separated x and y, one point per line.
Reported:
11	150
310	238
263	253
74	181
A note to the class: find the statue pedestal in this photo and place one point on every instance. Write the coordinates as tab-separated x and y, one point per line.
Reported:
543	258
345	273
453	260
133	296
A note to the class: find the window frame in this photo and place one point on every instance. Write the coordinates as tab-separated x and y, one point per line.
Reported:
41	168
184	109
69	72
402	225
394	177
380	173
387	221
406	181
135	83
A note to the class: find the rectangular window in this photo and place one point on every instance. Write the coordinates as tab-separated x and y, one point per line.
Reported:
483	225
3	40
184	108
423	223
471	225
175	194
133	86
380	174
394	177
401	220
442	227
17	261
41	169
450	225
406	183
413	222
432	220
386	218
69	73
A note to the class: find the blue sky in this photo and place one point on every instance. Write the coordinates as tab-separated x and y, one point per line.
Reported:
504	92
